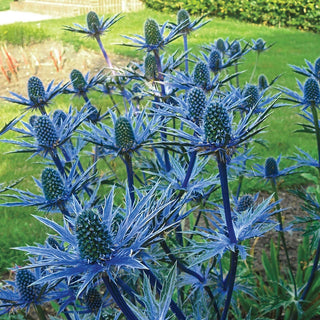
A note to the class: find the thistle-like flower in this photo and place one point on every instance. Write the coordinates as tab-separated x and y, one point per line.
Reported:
260	45
150	68
52	184
197	102
310	71
201	75
124	134
39	97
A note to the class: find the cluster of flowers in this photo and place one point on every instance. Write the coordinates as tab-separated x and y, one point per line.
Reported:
181	136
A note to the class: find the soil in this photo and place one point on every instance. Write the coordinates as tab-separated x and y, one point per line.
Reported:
48	61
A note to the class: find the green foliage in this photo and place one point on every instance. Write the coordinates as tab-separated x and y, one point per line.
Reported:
5	5
302	14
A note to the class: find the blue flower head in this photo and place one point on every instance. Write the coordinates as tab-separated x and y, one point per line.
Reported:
311	91
310	71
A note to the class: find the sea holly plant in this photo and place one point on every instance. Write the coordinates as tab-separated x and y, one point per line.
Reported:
146	224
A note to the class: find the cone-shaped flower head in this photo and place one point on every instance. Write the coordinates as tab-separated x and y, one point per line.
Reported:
150	67
201	74
58	117
52	184
93	300
271	168
317	68
311	91
183	16
197	101
93	237
215	60
36	91
77	79
251	93
93	21
235	48
24	279
45	132
124	133
220	45
246	202
217	125
152	32
262	82
259	45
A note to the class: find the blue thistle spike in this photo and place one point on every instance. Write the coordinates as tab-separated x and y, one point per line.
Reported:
52	184
152	32
246	202
263	82
93	21
271	168
217	125
221	46
24	279
311	91
36	91
259	45
93	300
201	75
235	48
197	102
183	16
150	67
215	60
77	79
93	237
251	93
124	133
45	132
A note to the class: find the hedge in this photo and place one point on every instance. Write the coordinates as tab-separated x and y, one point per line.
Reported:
301	14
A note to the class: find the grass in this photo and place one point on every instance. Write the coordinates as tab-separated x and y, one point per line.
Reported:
5	5
17	227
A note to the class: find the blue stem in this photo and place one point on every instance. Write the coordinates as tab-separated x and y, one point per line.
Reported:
312	274
55	157
105	55
185	47
226	200
129	291
128	162
231	281
317	130
118	299
192	161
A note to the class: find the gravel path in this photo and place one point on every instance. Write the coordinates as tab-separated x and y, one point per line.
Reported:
10	16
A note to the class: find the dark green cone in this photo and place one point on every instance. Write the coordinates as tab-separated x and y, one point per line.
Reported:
77	80
215	61
93	237
183	16
93	300
263	82
152	32
201	75
221	46
150	67
245	203
217	124
45	132
251	93
36	90
271	168
24	279
311	91
124	133
52	184
197	102
93	21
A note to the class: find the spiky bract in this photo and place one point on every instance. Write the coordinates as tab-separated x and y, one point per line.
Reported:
271	168
217	124
45	132
201	75
93	300
246	202
150	67
24	279
93	237
124	133
197	101
36	91
52	184
311	91
152	32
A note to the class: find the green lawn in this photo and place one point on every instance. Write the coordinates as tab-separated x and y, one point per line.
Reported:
291	47
5	4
